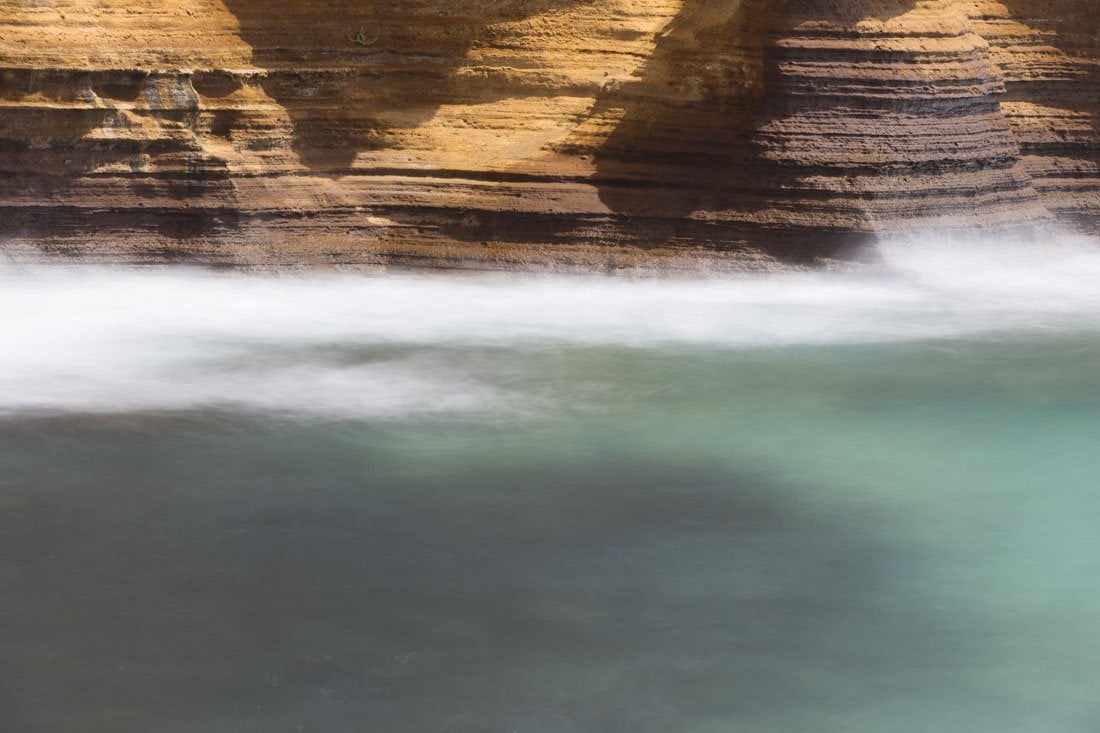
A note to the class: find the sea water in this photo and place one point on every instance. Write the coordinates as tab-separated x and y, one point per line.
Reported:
403	503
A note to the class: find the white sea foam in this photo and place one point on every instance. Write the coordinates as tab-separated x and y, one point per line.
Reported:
376	345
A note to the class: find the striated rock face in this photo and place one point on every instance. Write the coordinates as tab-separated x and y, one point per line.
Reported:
512	133
1047	54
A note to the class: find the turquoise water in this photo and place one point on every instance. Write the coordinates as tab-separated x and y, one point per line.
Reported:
396	503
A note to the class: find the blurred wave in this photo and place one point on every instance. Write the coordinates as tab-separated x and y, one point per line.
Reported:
100	339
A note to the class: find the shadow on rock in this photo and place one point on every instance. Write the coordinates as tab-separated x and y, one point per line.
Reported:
351	76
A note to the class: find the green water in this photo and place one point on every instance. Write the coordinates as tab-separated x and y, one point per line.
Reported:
553	532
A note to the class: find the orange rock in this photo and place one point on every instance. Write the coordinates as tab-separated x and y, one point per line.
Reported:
521	133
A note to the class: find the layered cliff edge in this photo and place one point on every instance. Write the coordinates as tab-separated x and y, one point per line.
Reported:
518	133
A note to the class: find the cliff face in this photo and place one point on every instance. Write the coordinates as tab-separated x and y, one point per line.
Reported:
518	132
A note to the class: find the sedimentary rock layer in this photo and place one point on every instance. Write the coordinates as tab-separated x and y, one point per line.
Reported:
525	132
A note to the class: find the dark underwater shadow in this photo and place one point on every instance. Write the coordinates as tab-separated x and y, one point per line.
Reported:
236	577
11	714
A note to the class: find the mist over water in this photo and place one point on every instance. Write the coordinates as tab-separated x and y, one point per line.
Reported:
354	345
407	503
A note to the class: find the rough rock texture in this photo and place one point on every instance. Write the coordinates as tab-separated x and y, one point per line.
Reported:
511	133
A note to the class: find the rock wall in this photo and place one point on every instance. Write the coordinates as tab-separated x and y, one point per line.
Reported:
512	133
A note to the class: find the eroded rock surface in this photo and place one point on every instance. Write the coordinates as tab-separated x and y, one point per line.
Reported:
511	133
